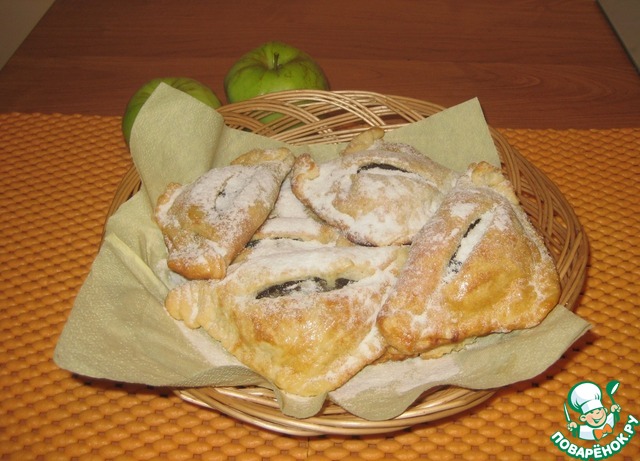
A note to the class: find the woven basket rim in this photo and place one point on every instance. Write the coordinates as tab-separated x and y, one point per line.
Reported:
316	116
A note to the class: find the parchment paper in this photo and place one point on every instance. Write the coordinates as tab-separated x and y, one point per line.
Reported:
119	330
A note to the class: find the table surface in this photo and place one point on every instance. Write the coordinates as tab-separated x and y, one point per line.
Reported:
545	64
551	77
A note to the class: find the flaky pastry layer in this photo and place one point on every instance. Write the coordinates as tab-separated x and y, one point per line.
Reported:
306	321
477	267
376	193
206	224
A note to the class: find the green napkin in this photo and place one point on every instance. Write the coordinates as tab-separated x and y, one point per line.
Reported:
119	330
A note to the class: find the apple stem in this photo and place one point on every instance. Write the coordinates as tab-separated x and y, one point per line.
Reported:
276	64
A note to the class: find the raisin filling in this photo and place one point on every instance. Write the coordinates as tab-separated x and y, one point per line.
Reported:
342	282
314	284
455	264
254	243
381	166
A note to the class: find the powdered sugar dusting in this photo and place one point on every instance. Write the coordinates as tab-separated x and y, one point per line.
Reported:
469	241
290	270
207	222
376	198
462	210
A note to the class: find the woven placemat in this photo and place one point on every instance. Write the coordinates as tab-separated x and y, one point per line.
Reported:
59	173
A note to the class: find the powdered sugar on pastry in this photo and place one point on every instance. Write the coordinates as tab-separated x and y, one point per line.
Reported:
207	223
291	226
477	267
309	275
381	195
306	321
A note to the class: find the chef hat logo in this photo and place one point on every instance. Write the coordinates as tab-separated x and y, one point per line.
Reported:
585	397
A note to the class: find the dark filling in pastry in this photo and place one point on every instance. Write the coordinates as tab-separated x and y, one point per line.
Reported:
292	286
341	283
254	243
381	166
221	194
454	264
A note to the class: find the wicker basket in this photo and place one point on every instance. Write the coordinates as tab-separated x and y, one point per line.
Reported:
330	117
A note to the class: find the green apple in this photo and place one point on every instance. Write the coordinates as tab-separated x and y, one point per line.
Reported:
188	85
273	66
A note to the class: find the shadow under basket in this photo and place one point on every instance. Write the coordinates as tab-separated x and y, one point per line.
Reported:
308	117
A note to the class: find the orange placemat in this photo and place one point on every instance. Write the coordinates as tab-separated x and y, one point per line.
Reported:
58	175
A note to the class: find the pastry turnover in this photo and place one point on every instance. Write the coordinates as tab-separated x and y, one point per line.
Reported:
377	193
208	222
477	267
307	272
306	321
291	225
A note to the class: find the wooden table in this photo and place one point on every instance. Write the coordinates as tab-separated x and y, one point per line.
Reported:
551	77
545	64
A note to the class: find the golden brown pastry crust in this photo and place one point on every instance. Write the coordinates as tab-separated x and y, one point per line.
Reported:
205	224
308	275
305	340
476	268
377	193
